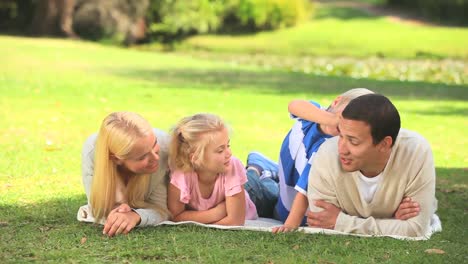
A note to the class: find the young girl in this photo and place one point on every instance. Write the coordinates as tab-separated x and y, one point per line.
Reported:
124	170
207	182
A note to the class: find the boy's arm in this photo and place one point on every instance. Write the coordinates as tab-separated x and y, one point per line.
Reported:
298	209
310	112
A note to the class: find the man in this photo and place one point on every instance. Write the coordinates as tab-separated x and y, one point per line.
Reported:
358	179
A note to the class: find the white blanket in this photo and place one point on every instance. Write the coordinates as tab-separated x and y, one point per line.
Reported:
266	225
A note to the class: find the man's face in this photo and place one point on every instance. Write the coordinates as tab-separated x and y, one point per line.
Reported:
356	148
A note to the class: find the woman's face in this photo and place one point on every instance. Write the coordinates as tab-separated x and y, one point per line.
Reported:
144	158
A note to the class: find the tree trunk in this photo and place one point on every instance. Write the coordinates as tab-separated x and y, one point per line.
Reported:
66	18
54	17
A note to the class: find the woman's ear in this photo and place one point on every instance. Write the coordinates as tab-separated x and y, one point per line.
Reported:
116	160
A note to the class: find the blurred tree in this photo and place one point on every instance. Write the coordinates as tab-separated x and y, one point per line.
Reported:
16	15
118	20
445	11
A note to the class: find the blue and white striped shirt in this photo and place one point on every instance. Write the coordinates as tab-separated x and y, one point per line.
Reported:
296	154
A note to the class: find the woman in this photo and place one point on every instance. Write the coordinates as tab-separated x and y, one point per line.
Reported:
124	170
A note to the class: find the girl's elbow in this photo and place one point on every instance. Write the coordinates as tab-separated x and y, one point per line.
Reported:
236	221
240	222
174	215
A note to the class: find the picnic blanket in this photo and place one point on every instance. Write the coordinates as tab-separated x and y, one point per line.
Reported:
266	225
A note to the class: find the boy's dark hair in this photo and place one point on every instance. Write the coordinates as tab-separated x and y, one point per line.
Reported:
378	112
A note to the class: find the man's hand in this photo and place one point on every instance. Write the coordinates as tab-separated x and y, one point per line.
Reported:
120	221
324	219
407	209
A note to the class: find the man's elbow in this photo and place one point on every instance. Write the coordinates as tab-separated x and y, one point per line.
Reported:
417	229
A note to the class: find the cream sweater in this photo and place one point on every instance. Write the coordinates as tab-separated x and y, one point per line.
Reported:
157	189
409	172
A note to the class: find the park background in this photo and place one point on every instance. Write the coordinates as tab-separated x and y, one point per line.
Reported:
66	64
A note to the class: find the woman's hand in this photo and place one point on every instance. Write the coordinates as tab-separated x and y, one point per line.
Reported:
121	220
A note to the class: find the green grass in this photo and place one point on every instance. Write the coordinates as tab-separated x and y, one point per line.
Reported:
54	93
339	31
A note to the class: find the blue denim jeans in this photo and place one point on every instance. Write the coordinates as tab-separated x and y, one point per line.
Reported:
263	193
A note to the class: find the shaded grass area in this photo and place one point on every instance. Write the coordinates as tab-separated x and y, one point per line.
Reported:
284	82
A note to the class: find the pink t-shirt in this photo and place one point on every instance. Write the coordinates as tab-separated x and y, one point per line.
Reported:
227	184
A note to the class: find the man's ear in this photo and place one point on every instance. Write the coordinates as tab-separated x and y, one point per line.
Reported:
386	144
116	160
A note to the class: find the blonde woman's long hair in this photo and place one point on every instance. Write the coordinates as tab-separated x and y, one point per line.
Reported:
118	133
189	139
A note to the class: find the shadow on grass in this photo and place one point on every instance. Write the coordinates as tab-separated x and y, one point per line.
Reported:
281	82
343	13
50	212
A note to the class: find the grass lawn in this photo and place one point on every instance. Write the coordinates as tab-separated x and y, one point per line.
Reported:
54	93
344	31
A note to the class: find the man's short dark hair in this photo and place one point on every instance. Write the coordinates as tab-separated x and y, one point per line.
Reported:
378	112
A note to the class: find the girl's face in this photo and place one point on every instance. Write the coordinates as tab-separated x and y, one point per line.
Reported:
144	158
218	153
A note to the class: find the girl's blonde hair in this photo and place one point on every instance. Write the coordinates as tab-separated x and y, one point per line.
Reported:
347	96
117	136
188	140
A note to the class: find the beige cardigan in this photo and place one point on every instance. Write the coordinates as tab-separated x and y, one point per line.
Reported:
409	172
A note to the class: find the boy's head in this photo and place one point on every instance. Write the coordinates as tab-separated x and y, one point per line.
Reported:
342	100
339	104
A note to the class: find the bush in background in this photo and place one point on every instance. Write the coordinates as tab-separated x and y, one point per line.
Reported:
270	14
454	11
173	19
169	19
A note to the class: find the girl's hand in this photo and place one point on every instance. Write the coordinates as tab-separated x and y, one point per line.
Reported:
220	210
121	220
283	229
